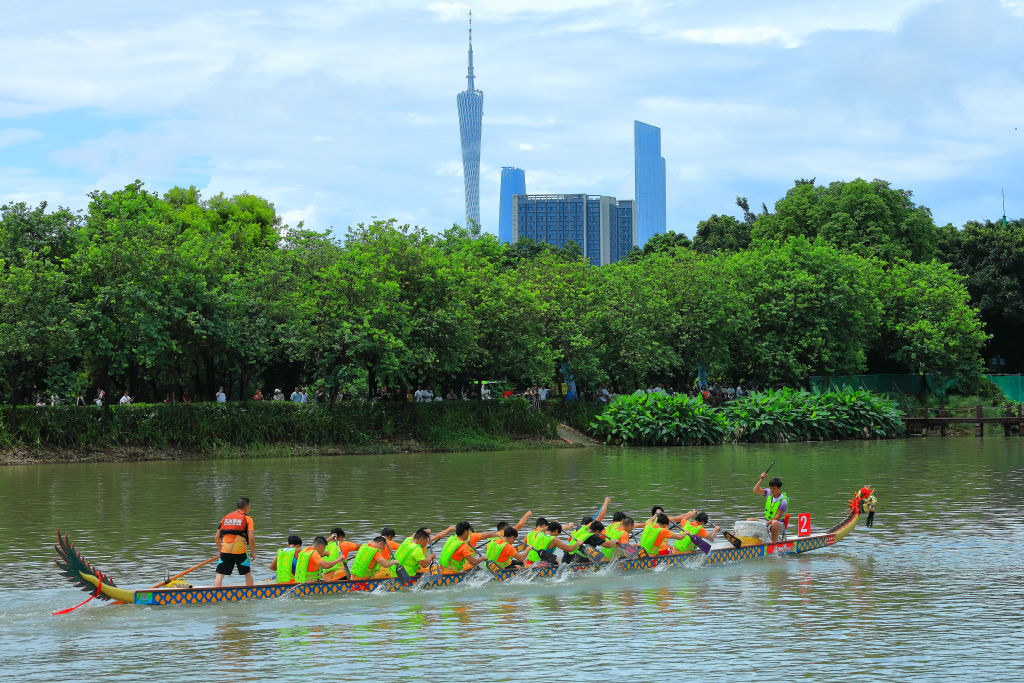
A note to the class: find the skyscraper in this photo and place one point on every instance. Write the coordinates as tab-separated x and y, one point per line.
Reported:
513	182
649	177
471	112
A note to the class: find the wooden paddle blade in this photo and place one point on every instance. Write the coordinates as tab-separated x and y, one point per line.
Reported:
629	550
736	543
401	573
591	553
701	544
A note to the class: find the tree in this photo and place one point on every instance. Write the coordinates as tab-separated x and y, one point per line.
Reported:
867	218
660	243
991	256
721	233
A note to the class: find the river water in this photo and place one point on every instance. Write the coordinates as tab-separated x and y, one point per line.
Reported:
934	591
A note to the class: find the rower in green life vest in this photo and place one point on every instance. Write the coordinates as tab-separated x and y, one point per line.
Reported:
370	561
592	535
458	555
412	554
502	551
655	536
776	504
694	527
310	564
618	532
338	547
544	543
285	560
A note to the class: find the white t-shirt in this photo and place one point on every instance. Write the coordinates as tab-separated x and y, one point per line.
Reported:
125	399
222	397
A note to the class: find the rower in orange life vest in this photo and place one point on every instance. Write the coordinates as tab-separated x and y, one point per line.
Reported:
775	505
694	527
234	535
654	536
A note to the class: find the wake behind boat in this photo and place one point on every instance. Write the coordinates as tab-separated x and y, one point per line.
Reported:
75	568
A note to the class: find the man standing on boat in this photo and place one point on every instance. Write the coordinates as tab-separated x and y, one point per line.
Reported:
775	505
234	536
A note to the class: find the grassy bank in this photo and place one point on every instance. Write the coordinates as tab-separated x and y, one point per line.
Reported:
266	429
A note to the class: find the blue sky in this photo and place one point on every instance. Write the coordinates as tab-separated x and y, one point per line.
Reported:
342	111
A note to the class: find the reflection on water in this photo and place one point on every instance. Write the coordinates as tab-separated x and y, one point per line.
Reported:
933	591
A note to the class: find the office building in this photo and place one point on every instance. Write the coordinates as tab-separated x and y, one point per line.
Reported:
649	179
471	112
603	227
513	182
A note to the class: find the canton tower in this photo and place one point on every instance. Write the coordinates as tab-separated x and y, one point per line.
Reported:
471	112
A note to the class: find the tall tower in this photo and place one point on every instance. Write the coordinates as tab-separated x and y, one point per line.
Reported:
471	112
513	182
649	176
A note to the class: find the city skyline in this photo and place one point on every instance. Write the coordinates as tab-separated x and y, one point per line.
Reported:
337	113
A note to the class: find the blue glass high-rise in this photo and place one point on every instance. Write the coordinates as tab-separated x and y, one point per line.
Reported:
649	179
471	112
513	182
602	227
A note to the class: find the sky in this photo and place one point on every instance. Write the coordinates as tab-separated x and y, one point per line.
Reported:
341	112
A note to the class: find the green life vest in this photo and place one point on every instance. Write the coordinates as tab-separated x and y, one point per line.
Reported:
532	536
540	542
446	561
333	551
302	573
408	555
285	558
612	533
772	507
494	549
648	538
578	536
365	562
686	544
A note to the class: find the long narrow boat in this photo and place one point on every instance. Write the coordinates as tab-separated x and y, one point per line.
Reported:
80	572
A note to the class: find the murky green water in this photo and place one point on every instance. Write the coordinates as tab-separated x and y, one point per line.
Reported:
934	591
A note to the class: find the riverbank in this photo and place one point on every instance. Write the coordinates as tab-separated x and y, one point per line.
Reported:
242	430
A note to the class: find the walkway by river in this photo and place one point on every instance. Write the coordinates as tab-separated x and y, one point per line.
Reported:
933	591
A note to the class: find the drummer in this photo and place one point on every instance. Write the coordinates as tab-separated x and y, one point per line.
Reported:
775	505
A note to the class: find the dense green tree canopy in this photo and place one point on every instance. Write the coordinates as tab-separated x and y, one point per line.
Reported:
164	293
867	218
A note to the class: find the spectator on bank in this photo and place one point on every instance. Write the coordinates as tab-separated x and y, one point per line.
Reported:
258	396
221	396
296	396
167	399
186	397
542	393
321	396
451	395
101	396
125	398
80	400
485	393
278	395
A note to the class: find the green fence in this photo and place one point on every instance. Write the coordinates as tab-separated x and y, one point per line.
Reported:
1012	385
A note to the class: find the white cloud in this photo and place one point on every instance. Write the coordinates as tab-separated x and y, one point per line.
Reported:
16	136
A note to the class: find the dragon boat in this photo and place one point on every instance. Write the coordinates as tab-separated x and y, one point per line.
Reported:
80	572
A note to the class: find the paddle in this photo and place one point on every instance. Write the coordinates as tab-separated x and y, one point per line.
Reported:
770	467
187	571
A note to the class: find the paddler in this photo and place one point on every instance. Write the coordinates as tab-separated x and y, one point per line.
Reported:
286	559
369	561
775	504
311	562
618	532
584	529
391	545
458	555
592	535
694	527
338	547
502	551
543	543
235	534
654	536
412	554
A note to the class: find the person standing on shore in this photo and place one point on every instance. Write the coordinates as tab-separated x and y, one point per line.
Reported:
221	396
234	536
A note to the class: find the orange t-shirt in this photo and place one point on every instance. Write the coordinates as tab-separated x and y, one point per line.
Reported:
314	560
460	554
345	547
235	543
507	551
